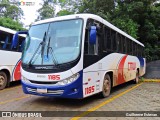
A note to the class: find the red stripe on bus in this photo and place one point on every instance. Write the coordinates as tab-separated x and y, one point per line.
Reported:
17	72
121	78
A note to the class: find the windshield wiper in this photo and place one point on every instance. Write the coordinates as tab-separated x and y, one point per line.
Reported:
53	56
40	44
29	63
43	46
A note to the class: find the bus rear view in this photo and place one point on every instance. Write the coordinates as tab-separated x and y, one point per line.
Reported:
77	56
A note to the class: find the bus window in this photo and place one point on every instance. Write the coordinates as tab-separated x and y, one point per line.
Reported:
120	44
4	41
118	41
91	49
123	44
130	47
108	39
114	45
86	42
20	45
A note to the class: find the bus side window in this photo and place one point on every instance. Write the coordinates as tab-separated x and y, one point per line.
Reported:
86	42
93	49
20	45
90	49
5	43
108	39
123	44
114	45
118	37
130	47
127	46
13	48
1	39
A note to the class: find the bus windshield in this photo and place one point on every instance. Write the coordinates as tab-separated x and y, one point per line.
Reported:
53	43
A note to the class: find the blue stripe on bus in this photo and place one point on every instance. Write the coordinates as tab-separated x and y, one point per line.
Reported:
68	89
141	60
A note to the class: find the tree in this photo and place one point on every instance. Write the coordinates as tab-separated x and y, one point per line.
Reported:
64	12
9	23
100	8
12	11
145	17
46	11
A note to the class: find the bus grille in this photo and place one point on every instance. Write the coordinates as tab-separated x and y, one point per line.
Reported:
40	82
53	92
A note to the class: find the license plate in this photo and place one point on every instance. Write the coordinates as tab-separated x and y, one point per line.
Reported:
41	90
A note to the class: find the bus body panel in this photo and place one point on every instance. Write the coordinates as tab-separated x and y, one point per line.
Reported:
123	66
11	61
48	77
73	90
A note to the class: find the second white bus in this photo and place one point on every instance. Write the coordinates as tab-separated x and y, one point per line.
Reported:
10	57
77	56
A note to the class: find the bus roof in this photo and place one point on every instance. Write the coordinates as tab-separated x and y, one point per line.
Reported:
86	16
7	30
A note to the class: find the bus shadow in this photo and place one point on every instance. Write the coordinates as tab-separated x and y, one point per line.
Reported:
78	103
14	84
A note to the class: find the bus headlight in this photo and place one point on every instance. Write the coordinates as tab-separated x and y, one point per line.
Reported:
69	80
25	79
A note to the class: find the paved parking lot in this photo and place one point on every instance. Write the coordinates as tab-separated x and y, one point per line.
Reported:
124	98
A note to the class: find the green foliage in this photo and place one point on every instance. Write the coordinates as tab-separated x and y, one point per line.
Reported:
152	52
96	6
127	25
64	12
145	16
10	15
46	11
9	23
10	10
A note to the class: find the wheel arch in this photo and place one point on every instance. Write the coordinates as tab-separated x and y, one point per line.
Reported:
110	73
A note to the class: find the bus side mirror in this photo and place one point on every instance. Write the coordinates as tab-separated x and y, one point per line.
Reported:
93	35
15	38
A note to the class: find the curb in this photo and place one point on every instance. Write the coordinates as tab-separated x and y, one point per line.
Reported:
151	80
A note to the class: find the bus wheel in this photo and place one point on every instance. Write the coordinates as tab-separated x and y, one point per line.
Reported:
106	86
3	80
137	77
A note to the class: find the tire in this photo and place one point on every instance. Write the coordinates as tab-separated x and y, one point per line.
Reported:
136	80
106	89
3	80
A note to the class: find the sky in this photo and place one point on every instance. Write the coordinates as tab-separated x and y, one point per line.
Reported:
30	12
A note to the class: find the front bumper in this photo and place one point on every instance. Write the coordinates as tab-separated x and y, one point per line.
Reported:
72	90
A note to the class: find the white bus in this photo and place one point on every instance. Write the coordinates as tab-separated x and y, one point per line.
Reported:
9	57
77	56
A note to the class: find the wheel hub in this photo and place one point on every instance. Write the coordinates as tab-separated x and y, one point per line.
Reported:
106	86
2	79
